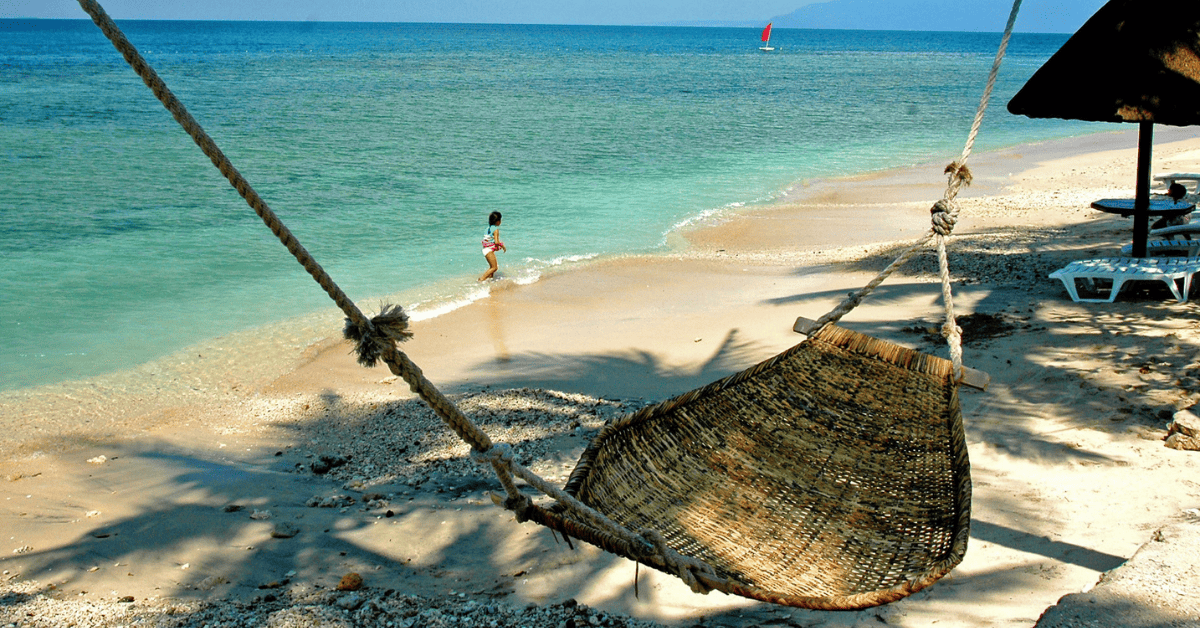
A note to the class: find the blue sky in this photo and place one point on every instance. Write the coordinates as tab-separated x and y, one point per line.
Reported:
1037	15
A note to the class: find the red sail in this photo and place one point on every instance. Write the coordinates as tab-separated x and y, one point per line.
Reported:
767	32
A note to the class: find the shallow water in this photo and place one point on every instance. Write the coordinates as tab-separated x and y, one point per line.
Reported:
384	147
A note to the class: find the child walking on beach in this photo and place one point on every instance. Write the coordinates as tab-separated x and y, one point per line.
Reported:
491	242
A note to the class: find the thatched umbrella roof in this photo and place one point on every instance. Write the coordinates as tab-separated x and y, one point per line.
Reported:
1133	61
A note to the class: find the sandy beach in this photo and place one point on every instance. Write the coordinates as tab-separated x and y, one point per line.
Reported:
242	493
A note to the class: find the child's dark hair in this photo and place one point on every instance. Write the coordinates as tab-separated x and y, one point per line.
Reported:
494	218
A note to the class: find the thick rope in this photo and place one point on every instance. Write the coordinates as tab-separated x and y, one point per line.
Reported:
943	216
991	83
365	329
206	144
958	177
650	542
682	566
377	337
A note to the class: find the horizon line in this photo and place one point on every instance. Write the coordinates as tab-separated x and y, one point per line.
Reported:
728	24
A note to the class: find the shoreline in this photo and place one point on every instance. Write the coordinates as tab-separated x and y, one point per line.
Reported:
1064	438
868	212
435	298
677	240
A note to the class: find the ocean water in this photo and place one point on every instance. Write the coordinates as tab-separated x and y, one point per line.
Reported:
385	146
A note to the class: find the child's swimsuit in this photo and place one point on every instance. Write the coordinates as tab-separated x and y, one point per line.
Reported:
489	241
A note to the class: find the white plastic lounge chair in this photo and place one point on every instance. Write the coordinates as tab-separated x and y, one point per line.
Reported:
1190	231
1119	270
1168	179
1167	248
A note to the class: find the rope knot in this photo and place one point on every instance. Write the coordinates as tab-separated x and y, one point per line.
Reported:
958	172
519	507
373	338
950	330
498	452
944	214
684	567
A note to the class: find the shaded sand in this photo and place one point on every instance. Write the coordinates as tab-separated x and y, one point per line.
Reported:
206	507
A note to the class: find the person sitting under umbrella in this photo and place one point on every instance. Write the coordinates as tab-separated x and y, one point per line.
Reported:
1175	192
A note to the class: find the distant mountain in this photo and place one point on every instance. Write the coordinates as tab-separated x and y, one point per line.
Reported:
715	23
989	16
901	15
938	15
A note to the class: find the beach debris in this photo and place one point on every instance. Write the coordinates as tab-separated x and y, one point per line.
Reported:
1184	432
278	607
404	442
1186	423
1183	443
284	530
325	464
260	515
312	615
92	513
93	569
333	501
185	566
210	583
350	582
98	460
23	549
350	602
975	327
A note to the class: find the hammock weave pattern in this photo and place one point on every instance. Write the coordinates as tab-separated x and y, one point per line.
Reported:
851	489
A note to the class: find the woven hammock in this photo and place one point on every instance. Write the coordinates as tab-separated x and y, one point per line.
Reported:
850	489
833	476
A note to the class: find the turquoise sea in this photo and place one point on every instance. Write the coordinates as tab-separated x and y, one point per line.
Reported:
385	146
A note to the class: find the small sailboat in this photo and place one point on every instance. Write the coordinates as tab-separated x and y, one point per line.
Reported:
766	37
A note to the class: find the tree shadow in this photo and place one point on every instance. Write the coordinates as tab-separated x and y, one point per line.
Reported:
1015	288
624	374
211	541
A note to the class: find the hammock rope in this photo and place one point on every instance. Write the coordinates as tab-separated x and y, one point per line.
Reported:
377	338
944	214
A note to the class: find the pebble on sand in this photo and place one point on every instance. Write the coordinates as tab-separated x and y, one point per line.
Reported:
350	582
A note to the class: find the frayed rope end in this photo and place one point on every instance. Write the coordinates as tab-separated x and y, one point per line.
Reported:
391	327
959	171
